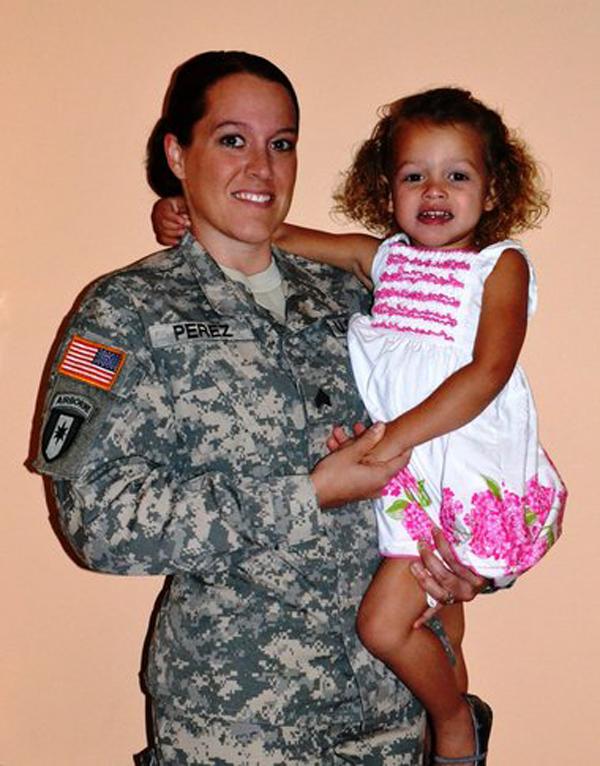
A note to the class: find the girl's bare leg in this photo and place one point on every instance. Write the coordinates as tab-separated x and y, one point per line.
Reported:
389	608
453	620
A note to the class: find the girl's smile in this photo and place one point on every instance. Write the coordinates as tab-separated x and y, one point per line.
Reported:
440	186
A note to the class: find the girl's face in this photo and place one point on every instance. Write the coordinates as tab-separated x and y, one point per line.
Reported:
440	186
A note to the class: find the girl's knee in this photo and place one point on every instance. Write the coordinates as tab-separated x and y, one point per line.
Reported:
368	632
375	632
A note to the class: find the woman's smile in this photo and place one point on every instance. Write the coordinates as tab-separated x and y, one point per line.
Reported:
256	198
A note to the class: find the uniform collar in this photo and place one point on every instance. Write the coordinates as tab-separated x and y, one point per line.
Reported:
306	300
225	296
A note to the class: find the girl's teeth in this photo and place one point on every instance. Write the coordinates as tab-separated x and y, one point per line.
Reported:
434	214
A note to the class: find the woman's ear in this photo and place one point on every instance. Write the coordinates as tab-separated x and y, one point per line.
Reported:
174	155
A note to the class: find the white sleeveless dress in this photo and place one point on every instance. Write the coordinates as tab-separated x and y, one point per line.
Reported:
489	485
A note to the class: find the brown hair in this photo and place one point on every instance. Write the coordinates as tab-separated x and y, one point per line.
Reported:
520	202
185	104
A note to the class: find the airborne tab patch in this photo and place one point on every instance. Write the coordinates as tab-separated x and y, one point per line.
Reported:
67	414
92	362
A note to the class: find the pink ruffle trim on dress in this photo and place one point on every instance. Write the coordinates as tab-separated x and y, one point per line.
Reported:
387	309
413	330
399	245
420	276
416	295
449	264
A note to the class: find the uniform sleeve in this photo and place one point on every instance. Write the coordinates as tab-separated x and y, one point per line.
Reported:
128	501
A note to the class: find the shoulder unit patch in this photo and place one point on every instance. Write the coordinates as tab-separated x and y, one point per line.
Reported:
92	362
67	413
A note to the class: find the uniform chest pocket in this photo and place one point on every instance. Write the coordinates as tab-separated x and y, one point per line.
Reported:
231	400
322	361
320	357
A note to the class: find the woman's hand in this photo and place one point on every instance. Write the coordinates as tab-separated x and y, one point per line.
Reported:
170	220
339	438
341	477
448	581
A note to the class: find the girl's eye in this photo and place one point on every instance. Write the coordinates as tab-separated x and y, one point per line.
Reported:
283	145
458	176
413	178
233	141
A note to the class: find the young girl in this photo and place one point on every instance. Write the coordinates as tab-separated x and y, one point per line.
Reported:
436	360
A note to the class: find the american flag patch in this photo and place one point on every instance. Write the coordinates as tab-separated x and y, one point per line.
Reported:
92	362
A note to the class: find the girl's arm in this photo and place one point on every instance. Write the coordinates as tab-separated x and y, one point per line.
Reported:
350	252
468	391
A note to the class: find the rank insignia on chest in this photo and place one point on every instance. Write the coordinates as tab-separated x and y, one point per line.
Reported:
322	399
67	414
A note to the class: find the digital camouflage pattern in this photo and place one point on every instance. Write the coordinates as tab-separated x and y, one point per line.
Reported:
195	464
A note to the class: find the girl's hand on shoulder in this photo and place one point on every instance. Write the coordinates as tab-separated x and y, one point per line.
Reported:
170	220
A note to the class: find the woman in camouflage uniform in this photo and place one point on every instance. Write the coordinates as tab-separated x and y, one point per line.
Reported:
184	433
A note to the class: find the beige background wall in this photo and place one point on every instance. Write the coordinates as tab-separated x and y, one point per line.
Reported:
81	86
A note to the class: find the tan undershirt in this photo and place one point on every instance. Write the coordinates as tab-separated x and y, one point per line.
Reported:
266	288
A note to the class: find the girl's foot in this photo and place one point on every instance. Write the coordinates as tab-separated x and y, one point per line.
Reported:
480	724
454	737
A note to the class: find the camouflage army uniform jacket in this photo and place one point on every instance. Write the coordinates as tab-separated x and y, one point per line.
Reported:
181	445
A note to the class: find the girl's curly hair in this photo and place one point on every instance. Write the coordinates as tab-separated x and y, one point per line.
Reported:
515	180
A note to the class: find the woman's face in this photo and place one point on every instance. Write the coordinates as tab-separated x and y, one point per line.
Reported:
238	173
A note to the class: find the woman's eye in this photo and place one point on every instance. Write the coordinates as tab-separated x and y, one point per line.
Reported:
458	176
232	141
283	145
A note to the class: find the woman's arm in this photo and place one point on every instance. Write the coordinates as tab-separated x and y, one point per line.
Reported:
467	392
341	477
350	252
130	498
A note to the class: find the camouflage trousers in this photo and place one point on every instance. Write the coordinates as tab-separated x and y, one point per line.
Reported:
199	740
